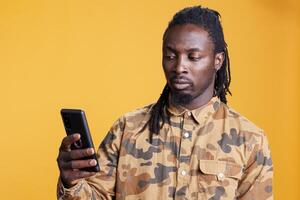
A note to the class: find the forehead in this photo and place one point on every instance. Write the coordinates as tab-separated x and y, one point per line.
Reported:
188	36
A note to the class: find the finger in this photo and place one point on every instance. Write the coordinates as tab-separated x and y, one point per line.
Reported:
68	140
76	154
81	153
78	164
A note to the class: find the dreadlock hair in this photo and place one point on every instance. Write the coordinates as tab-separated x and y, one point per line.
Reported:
209	20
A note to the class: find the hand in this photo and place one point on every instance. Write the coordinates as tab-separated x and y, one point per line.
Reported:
70	161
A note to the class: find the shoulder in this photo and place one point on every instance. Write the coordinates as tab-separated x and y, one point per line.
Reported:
248	138
239	130
136	118
128	122
238	121
138	113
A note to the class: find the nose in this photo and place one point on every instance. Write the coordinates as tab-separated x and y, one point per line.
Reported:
181	65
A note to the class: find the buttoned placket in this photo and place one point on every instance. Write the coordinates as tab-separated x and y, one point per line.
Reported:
185	150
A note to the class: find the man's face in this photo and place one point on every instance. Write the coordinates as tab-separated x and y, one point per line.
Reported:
189	62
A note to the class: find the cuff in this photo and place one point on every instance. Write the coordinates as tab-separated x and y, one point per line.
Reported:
68	192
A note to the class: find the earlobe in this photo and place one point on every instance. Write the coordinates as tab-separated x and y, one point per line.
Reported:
219	59
217	67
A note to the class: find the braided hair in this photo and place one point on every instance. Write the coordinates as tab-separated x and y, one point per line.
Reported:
209	20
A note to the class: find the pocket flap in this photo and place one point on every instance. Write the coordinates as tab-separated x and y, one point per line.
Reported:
221	168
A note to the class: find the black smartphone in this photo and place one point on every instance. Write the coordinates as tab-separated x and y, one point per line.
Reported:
75	122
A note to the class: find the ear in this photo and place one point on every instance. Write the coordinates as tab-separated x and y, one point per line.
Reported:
219	59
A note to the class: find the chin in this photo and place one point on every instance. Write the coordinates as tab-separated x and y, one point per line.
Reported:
181	97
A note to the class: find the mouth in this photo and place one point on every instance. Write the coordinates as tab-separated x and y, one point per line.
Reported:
180	84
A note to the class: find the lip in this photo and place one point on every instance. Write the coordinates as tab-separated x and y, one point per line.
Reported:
180	85
180	81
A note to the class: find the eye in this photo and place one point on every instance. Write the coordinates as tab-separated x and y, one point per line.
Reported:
169	56
194	57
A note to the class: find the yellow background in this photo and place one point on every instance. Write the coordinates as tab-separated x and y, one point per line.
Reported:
105	57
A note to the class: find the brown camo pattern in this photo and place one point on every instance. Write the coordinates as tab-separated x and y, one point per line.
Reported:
210	153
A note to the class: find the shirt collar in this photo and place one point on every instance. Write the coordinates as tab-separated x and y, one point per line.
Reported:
199	114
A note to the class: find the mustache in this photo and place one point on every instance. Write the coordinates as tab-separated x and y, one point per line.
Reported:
180	79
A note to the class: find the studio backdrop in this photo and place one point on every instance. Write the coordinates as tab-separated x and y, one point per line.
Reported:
105	57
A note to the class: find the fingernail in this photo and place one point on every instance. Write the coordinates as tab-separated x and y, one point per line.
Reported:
76	135
90	151
93	162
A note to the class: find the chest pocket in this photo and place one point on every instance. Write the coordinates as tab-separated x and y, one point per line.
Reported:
218	179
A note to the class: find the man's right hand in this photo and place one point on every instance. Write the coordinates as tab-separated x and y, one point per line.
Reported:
70	161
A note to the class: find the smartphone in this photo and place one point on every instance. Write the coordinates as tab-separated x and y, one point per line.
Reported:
75	122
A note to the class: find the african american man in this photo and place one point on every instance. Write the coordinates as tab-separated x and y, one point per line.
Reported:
189	144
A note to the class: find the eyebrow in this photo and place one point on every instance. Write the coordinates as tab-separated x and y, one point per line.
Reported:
187	50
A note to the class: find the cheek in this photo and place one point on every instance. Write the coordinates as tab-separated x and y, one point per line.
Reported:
203	76
205	67
167	69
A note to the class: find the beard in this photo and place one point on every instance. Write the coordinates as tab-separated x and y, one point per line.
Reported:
181	98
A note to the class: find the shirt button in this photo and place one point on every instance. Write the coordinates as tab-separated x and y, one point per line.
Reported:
189	113
220	176
183	172
186	135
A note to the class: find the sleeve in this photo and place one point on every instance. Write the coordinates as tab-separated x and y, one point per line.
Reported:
102	184
256	182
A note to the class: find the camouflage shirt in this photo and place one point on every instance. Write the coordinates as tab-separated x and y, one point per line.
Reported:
211	152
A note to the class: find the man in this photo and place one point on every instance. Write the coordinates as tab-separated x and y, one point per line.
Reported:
188	145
